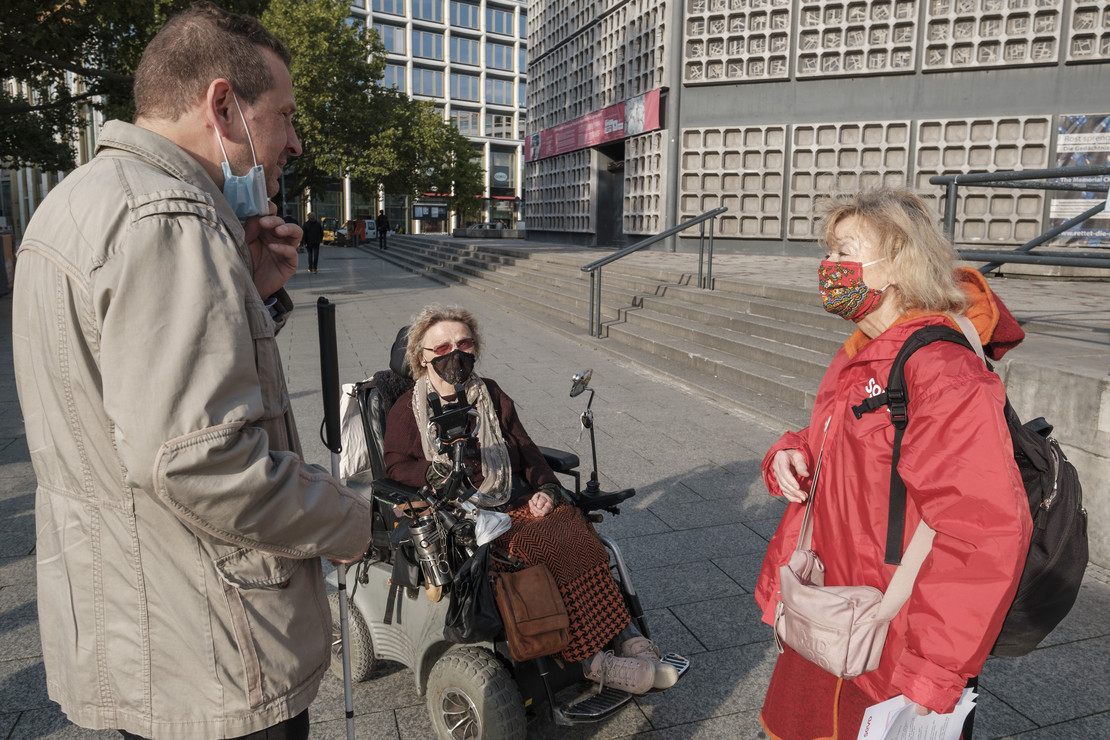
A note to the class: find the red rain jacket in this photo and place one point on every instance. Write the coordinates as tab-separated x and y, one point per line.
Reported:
958	466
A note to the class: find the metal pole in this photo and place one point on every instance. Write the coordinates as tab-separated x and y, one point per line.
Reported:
709	267
590	314
597	306
1052	233
701	251
950	210
329	373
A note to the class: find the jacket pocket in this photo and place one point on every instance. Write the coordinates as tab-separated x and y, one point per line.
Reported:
247	568
278	618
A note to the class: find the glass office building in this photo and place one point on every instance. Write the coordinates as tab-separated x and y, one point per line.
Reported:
468	58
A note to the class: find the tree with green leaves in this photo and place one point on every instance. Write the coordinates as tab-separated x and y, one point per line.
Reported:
65	55
348	124
339	105
351	126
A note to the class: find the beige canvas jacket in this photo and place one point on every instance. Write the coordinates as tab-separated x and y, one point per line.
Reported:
180	591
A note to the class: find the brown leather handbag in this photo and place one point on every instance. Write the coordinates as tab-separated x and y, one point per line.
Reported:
536	621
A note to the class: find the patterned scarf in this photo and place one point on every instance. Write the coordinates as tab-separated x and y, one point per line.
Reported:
496	469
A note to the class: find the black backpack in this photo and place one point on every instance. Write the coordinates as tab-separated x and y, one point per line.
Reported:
1057	555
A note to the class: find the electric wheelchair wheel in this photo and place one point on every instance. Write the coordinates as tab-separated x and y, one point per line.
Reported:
361	645
471	695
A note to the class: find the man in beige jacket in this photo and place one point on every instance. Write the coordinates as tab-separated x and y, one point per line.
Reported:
180	587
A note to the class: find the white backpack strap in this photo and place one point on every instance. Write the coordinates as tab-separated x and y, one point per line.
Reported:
901	584
965	325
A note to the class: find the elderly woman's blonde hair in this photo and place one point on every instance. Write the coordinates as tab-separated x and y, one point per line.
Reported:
908	234
428	317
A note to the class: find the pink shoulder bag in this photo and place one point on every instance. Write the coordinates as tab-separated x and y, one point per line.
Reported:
840	628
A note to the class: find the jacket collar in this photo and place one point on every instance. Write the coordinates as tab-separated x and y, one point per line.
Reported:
982	310
175	161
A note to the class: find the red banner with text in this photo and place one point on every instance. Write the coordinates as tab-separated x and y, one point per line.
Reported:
628	118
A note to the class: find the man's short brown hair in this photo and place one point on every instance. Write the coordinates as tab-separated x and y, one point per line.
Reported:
202	44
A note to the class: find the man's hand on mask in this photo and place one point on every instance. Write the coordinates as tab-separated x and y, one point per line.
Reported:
273	244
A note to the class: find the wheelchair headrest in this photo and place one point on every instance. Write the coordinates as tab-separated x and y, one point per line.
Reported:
398	362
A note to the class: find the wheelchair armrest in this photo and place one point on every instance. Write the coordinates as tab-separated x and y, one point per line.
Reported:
362	484
603	501
391	492
560	461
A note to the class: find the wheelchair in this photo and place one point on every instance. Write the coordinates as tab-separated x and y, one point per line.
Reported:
396	614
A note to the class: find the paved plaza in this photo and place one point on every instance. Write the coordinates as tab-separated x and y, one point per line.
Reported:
694	536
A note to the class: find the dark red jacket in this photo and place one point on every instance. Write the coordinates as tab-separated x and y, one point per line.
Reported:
404	455
957	463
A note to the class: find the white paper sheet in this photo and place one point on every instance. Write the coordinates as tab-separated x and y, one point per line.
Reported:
895	719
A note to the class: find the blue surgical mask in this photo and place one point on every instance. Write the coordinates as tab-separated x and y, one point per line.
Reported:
246	193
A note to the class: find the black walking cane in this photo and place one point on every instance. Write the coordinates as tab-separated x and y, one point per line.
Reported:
329	373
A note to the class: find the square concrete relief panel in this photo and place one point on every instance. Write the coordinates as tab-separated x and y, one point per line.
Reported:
829	157
957	146
991	33
741	169
559	193
736	40
644	185
1089	32
856	38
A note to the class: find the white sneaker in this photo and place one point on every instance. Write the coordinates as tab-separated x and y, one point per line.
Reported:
627	674
666	675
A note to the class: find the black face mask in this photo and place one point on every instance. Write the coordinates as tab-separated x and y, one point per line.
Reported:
455	367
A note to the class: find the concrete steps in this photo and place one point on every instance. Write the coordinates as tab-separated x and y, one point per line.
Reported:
763	348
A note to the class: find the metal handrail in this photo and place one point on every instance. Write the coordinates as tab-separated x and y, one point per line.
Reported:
594	268
1025	179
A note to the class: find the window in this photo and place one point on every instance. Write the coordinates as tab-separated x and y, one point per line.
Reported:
464	87
427	82
393	37
523	25
502	170
427	45
499	21
466	121
464	51
499	56
356	21
499	92
464	15
397	7
429	10
394	77
522	64
499	126
520	96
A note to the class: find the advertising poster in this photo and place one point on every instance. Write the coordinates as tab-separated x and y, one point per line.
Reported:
1082	139
628	118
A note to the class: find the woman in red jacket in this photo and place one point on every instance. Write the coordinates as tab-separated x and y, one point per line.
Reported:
511	475
890	269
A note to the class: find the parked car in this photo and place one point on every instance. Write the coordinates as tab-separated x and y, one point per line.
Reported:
333	232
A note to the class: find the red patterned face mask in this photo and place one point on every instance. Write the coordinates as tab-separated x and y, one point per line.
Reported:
843	291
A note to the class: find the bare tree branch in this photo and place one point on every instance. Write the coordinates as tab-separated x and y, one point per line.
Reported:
68	66
15	110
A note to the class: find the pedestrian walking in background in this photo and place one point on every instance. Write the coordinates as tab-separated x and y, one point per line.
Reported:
179	530
891	270
313	235
381	225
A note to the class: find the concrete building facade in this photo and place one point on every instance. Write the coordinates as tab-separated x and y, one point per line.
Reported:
765	105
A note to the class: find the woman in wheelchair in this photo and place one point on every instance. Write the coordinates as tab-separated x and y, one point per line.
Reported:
511	475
